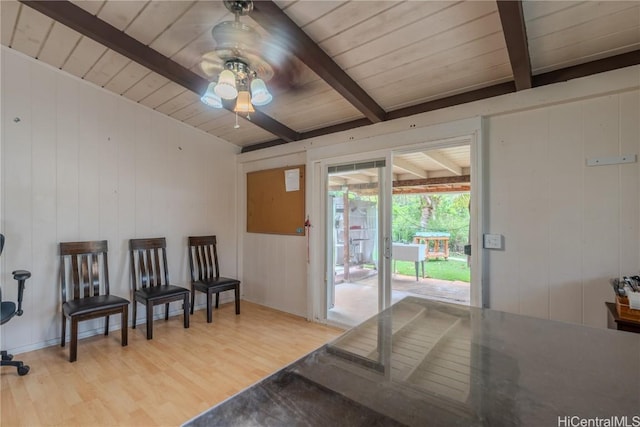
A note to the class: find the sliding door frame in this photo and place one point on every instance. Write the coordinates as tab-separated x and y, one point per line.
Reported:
383	146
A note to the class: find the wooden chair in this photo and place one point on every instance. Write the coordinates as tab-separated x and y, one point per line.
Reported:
84	269
205	277
150	278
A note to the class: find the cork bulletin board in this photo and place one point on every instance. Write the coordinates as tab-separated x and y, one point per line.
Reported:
275	201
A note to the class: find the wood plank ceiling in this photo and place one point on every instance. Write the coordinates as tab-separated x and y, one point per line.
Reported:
338	64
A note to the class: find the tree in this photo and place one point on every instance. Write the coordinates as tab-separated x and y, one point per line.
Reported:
451	215
407	213
447	213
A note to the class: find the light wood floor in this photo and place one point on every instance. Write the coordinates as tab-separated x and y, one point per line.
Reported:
162	382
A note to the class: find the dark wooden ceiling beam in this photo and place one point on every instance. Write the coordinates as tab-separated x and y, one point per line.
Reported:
275	21
450	101
90	26
310	134
456	183
443	180
271	125
622	60
456	188
421	182
515	34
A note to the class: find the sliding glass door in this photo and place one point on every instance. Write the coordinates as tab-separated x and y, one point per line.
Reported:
351	201
356	241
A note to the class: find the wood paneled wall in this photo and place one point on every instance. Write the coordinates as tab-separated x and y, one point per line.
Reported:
274	267
79	163
568	227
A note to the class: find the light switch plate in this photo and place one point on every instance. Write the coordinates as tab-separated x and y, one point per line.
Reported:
493	241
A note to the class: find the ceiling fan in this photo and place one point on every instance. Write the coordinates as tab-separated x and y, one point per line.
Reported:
240	65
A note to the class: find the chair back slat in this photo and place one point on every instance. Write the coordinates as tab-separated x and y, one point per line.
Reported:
197	267
83	268
75	278
203	258
142	270
205	263
94	275
151	267
105	272
215	256
85	278
158	272
63	279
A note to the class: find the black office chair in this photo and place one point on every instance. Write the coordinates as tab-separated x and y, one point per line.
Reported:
8	310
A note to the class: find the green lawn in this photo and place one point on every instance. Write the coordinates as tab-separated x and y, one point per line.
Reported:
438	269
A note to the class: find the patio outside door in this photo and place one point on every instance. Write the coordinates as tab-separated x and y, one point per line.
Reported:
356	245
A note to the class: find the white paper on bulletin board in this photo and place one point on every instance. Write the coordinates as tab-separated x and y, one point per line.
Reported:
292	179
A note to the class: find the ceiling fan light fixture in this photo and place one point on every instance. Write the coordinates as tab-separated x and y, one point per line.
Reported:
210	97
243	104
226	87
244	71
260	95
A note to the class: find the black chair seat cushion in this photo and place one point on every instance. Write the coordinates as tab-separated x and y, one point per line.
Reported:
154	292
78	307
219	284
7	311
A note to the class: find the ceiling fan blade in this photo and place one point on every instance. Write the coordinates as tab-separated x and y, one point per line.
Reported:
289	75
266	55
211	64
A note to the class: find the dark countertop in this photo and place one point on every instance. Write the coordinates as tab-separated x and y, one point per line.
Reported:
443	365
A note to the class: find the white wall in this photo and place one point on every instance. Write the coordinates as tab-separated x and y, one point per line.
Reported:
568	228
273	266
84	164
